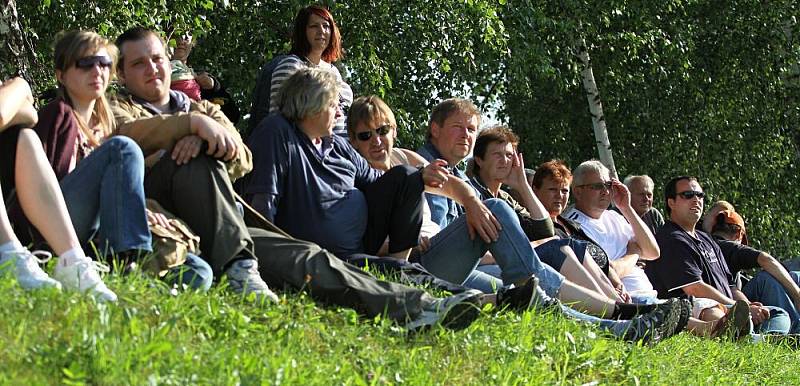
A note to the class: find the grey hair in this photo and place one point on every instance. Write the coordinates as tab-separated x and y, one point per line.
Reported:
648	182
307	92
591	166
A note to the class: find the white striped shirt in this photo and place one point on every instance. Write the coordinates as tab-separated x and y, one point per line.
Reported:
289	66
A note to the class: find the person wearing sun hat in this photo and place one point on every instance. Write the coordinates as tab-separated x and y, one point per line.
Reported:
774	285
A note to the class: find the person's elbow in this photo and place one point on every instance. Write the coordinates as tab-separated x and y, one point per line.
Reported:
651	253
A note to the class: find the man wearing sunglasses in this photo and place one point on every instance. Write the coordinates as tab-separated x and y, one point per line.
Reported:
624	237
692	264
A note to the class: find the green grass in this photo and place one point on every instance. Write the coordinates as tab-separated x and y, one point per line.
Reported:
153	336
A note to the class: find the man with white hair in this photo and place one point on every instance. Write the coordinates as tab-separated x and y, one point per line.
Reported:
624	237
641	188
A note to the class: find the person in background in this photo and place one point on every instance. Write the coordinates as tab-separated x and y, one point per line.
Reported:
199	85
641	188
316	43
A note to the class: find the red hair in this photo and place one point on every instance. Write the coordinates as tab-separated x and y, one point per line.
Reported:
300	44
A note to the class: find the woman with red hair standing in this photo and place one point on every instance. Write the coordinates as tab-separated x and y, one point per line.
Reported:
316	42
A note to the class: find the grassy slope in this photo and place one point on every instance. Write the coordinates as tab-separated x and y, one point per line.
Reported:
157	338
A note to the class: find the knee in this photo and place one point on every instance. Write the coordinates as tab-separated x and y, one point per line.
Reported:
28	141
127	149
501	210
765	279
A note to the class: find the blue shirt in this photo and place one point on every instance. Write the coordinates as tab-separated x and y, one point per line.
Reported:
311	194
443	210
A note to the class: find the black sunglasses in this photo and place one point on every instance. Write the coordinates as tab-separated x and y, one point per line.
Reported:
89	62
366	135
598	185
689	194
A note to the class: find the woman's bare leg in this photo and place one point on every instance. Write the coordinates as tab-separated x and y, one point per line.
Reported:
576	273
600	277
40	195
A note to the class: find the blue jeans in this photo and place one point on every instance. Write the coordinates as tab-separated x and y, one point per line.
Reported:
483	282
105	197
195	273
764	288
778	322
452	256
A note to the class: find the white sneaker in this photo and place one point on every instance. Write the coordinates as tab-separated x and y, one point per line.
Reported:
83	276
243	278
25	266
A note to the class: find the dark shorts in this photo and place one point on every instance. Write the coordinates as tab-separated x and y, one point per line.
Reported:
8	153
550	252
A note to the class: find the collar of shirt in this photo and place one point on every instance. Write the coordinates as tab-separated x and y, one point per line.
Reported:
178	102
459	170
322	151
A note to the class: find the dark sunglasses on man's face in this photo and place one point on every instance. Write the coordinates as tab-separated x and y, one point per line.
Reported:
366	135
89	62
689	194
598	185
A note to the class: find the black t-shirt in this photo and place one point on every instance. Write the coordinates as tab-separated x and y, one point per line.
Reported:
685	260
739	257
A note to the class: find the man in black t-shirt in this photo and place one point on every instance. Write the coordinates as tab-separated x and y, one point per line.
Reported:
774	286
692	263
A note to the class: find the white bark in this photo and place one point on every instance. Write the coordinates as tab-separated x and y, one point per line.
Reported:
596	110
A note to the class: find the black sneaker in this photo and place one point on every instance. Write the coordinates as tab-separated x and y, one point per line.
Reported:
660	323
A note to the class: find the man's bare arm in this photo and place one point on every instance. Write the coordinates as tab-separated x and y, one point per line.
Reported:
641	233
703	290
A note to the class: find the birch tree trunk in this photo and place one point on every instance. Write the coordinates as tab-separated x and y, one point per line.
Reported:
15	51
596	109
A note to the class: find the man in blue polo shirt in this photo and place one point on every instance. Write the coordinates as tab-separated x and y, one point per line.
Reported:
318	188
692	264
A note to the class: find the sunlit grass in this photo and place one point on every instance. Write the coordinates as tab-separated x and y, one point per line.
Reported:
155	336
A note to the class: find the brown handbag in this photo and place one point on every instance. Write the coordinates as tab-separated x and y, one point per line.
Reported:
170	246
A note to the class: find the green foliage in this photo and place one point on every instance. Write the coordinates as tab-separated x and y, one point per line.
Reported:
688	86
154	337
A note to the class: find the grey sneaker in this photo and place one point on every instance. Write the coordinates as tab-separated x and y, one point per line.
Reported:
25	266
666	320
84	276
243	278
454	312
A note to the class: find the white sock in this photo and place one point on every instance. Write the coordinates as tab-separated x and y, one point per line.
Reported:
11	246
72	256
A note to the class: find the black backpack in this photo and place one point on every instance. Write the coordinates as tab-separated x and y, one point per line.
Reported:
261	93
